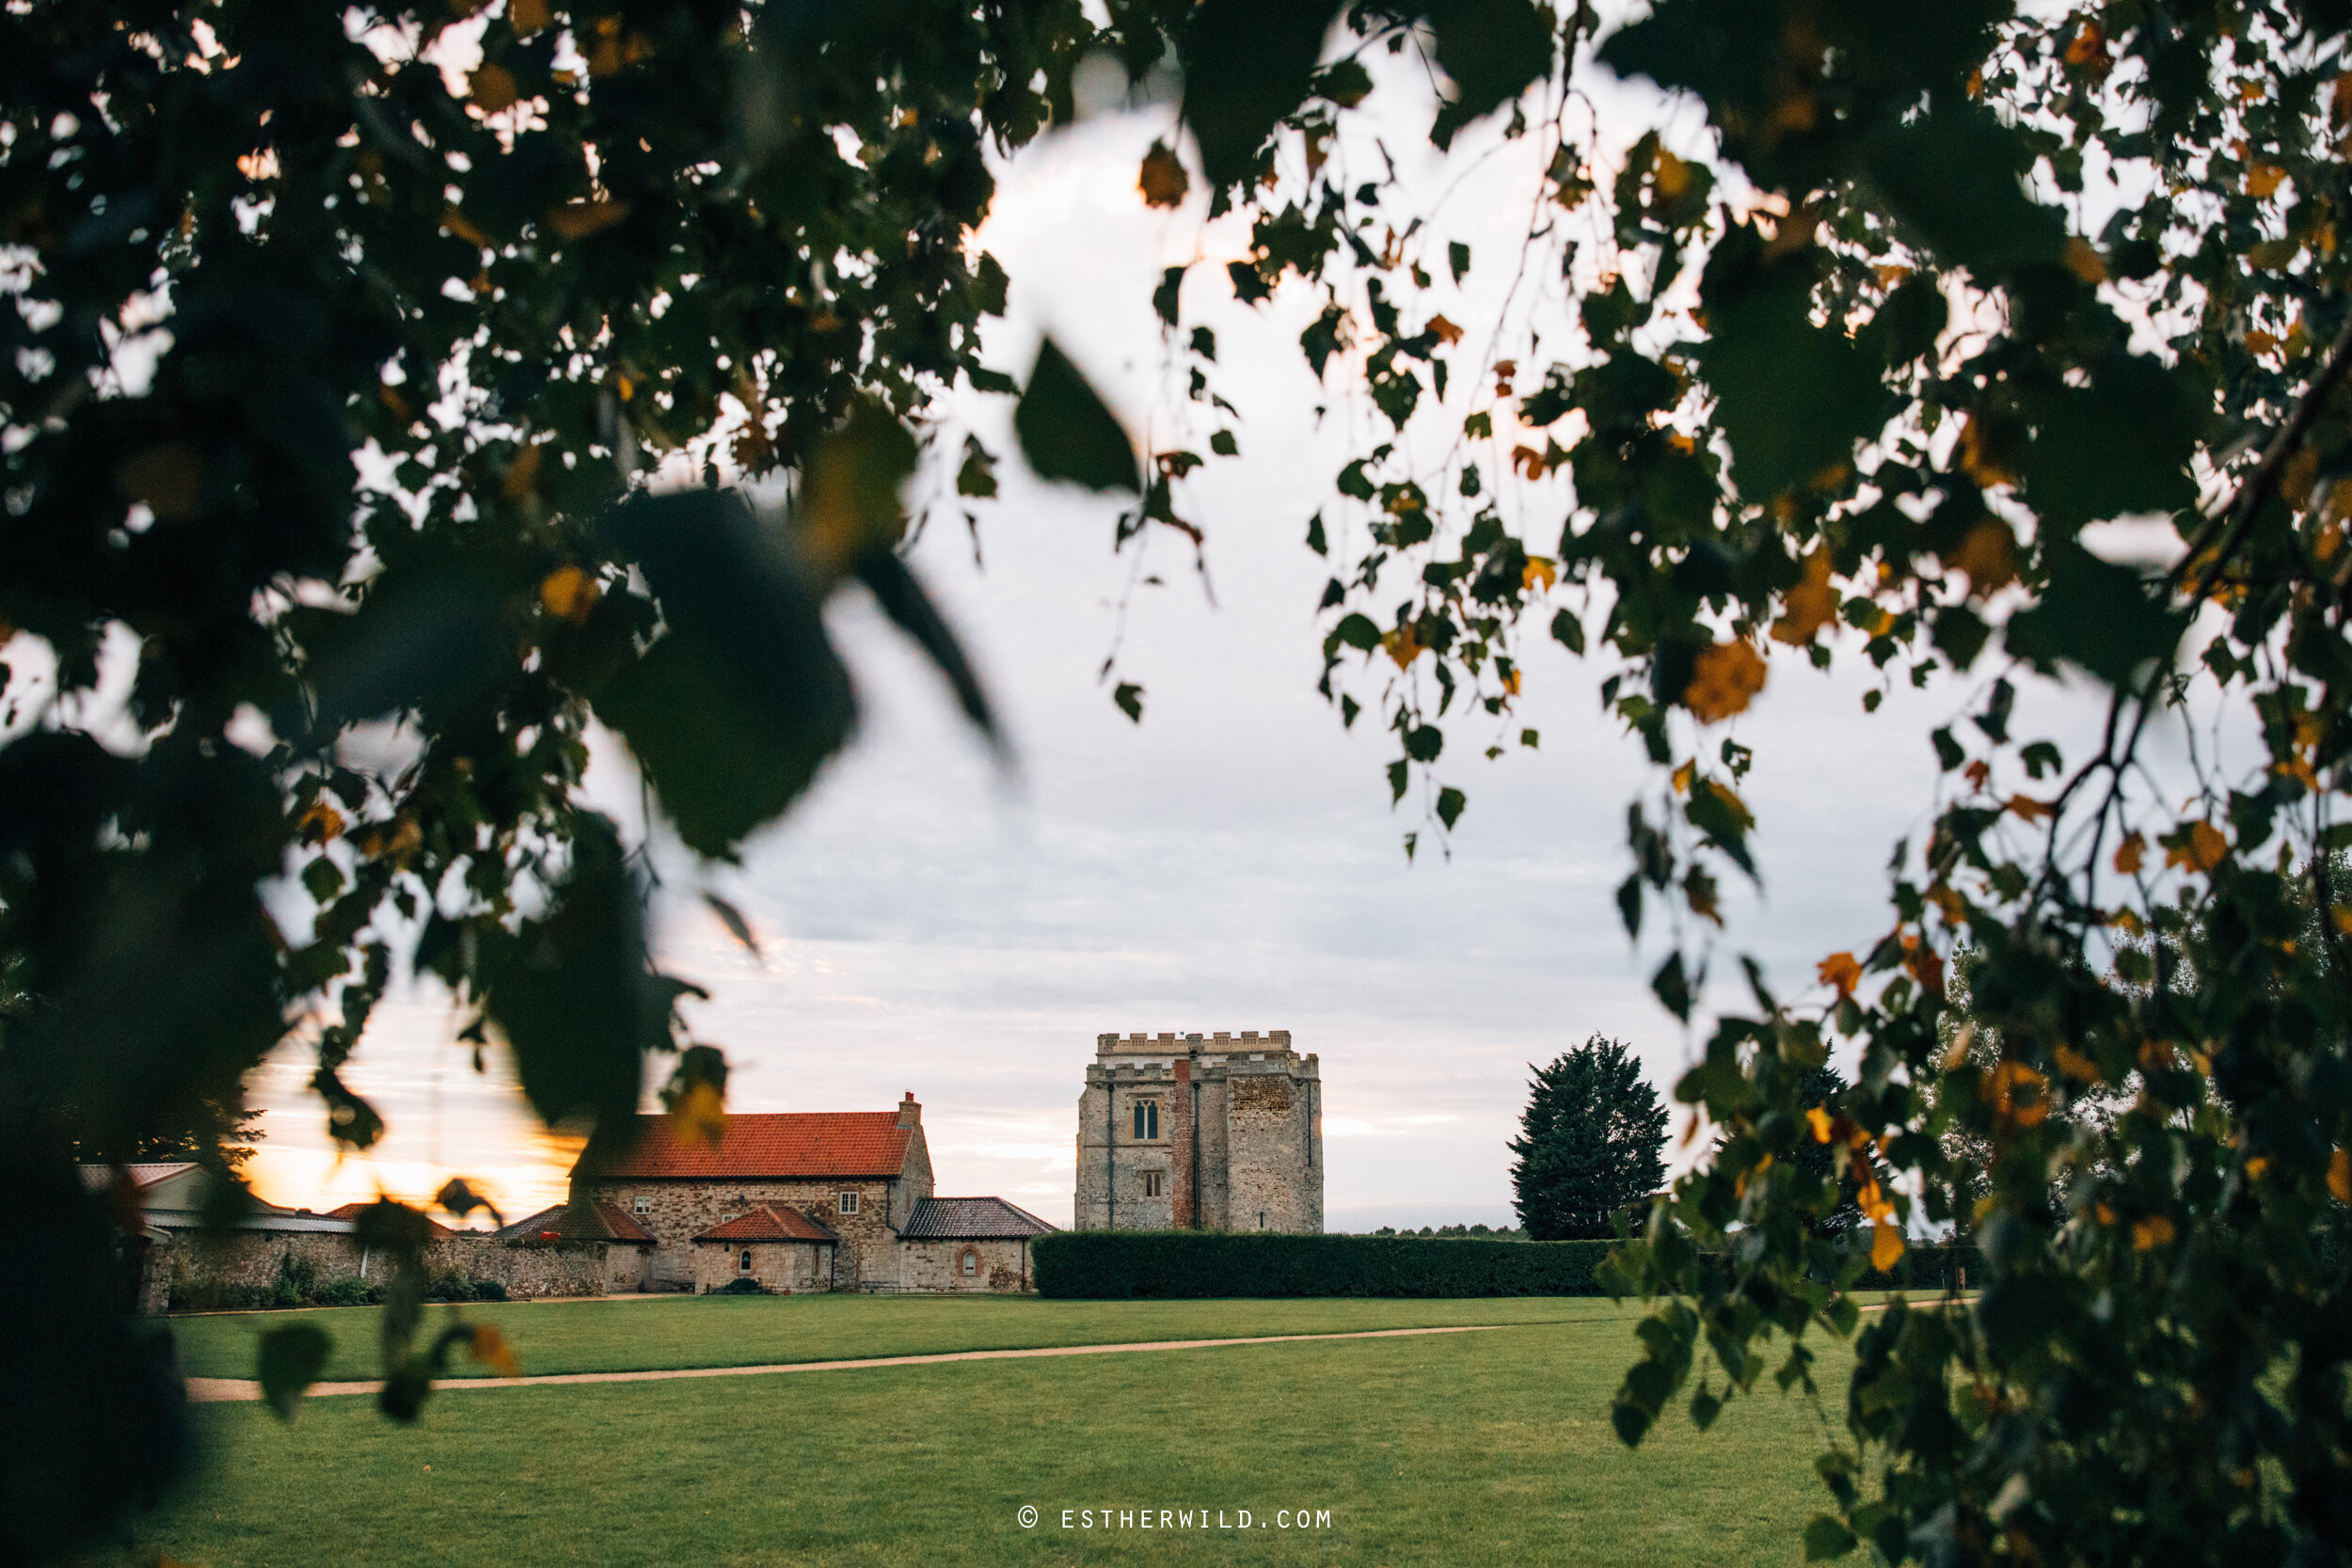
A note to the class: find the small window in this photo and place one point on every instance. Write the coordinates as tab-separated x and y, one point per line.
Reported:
644	1205
971	1261
747	1260
849	1203
1155	1183
1146	1120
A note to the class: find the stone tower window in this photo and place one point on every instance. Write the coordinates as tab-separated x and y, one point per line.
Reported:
1155	1183
1147	1119
849	1203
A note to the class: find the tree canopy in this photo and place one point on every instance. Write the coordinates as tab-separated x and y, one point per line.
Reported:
348	343
1589	1144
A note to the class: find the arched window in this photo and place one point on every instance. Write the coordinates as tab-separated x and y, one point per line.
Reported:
971	1262
747	1260
1146	1120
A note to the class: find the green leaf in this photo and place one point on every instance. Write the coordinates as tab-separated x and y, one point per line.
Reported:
1165	297
901	598
1457	259
292	1357
1066	430
1450	805
732	711
1791	398
1247	65
1955	177
1494	50
1357	630
572	992
1129	696
2121	444
1567	630
1947	753
2094	614
1673	988
1827	1537
1223	444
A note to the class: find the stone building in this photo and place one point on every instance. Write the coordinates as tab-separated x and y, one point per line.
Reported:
803	1200
1200	1132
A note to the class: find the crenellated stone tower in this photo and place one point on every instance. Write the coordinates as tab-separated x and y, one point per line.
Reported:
1200	1132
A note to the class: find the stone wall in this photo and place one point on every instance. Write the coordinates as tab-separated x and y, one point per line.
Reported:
1245	1112
999	1265
679	1210
795	1268
185	1264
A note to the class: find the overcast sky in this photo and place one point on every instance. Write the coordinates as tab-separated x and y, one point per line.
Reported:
933	925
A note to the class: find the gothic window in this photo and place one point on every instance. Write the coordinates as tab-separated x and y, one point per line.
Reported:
969	1262
1146	1120
849	1203
747	1260
1155	1183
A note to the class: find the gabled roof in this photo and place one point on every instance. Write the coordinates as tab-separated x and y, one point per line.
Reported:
351	1211
96	1178
770	1223
773	1146
576	1222
966	1219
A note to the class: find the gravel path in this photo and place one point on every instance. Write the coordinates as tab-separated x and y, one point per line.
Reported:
218	1390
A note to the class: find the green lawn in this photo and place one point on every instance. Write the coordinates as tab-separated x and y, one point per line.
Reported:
748	1331
1455	1448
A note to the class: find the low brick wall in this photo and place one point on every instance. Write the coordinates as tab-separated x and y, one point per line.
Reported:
191	1267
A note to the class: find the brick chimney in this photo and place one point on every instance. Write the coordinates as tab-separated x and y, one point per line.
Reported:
910	1113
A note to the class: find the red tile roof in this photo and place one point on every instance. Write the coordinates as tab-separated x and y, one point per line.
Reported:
576	1222
775	1146
769	1223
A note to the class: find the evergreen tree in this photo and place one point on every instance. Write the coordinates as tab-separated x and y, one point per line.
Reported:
1589	1144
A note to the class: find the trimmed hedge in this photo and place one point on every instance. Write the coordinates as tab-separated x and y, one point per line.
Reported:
1930	1267
1104	1264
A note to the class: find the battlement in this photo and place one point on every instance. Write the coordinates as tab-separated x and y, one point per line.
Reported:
1169	1044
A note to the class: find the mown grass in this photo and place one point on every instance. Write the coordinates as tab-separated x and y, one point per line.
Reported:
1455	1448
749	1331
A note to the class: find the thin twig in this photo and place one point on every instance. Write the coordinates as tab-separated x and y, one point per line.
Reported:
2264	479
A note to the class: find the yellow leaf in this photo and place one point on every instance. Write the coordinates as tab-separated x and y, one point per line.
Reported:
529	16
1683	775
1988	554
1724	677
2340	1175
2089	48
2255	1168
492	88
489	1347
1842	971
2075	1065
568	594
1538	573
1163	180
578	219
454	221
1809	606
2262	178
2129	853
1887	1245
2260	342
1979	461
2340	915
2153	1232
2084	262
2032	810
319	822
1447	332
522	475
1820	1123
2205	849
701	1112
1403	646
